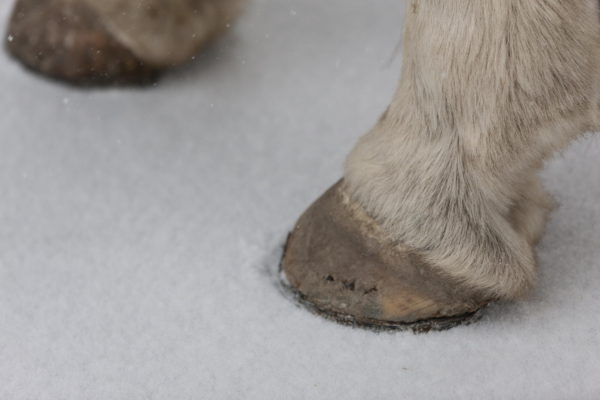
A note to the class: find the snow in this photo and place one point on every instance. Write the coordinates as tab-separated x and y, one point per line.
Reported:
140	231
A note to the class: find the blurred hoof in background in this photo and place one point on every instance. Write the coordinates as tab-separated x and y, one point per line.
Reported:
340	264
113	42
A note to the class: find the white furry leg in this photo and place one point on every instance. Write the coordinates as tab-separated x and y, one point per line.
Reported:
488	90
451	213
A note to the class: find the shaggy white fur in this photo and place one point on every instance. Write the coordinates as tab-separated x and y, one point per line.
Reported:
489	89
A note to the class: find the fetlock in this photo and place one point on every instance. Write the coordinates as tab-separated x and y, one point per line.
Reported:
447	169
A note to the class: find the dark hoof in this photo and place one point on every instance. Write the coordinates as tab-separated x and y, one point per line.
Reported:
66	40
341	264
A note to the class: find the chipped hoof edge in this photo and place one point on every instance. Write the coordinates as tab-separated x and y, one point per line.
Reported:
422	326
340	263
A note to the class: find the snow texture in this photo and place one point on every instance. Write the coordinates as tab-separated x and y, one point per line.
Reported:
141	228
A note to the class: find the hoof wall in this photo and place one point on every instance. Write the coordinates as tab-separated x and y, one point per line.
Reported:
66	40
340	264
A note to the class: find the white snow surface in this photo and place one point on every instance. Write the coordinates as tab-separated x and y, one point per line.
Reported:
141	229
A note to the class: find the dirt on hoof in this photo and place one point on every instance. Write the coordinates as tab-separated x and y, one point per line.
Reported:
340	264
